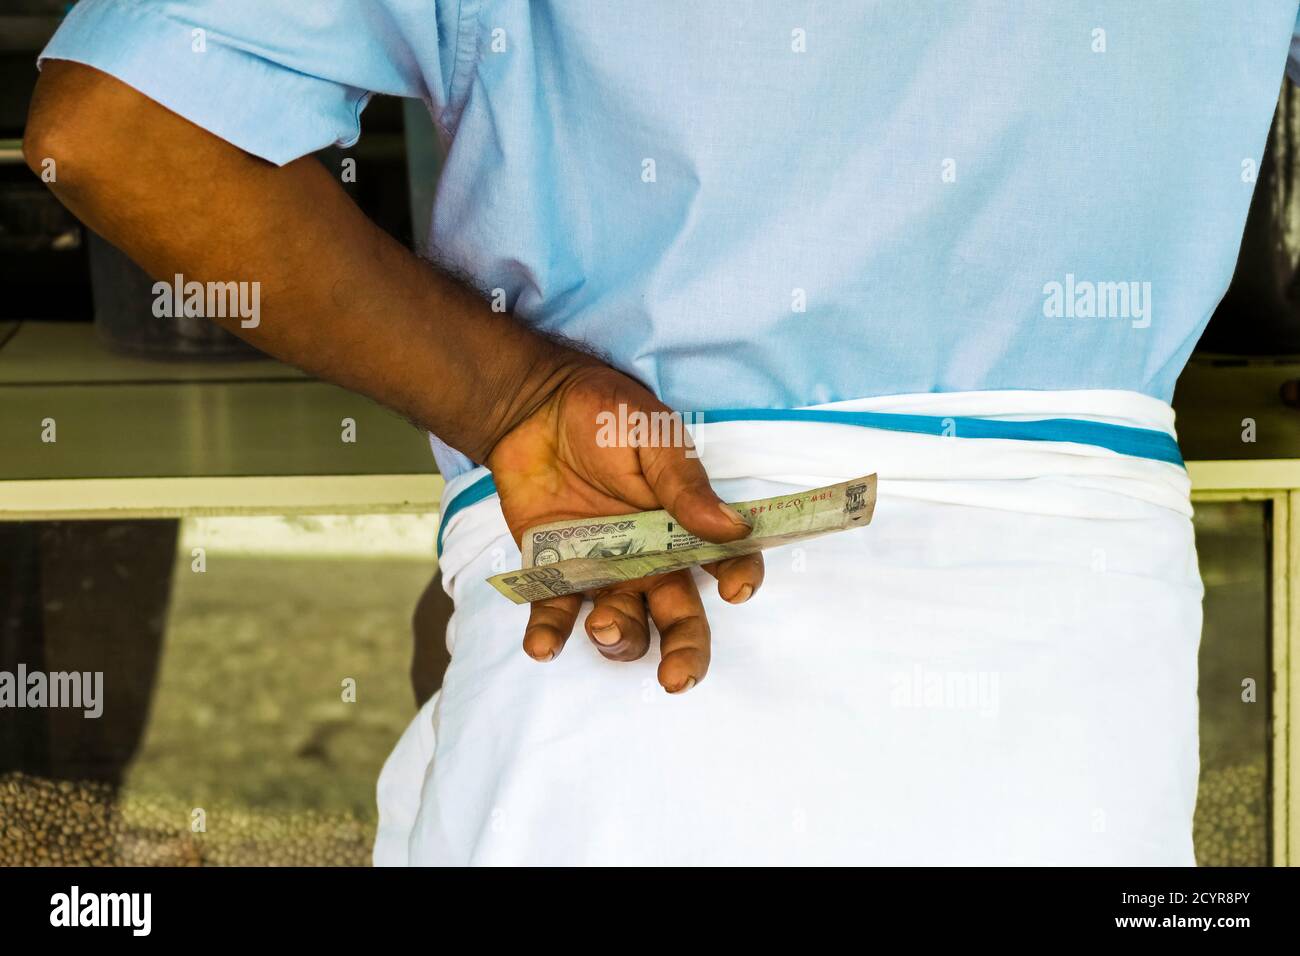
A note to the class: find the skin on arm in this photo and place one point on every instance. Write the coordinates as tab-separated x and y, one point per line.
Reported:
344	301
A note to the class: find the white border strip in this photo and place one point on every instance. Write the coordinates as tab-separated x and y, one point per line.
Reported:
65	499
1269	473
70	498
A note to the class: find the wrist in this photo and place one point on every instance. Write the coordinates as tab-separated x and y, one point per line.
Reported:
539	369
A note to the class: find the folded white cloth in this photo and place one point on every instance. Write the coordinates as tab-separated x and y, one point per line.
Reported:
1000	669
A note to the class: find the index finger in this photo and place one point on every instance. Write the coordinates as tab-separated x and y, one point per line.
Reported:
550	622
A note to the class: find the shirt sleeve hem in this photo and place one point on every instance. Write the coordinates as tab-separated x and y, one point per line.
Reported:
263	108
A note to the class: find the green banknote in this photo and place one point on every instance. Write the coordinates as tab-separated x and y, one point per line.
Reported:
584	554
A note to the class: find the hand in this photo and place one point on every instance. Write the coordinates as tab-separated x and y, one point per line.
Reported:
550	467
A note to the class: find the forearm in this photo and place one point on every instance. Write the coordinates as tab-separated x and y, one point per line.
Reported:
338	297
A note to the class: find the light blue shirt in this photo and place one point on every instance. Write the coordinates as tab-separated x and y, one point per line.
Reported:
772	204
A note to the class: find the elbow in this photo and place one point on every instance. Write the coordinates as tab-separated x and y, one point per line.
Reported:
37	134
39	149
64	125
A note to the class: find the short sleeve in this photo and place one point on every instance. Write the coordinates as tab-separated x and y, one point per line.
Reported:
277	78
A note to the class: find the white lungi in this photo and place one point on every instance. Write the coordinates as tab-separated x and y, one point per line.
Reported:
1000	669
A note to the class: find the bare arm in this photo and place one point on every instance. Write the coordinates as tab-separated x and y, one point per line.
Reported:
339	297
342	300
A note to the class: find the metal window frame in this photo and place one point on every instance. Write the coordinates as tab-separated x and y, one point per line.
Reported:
1284	657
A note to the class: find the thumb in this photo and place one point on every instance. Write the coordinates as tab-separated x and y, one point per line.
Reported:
683	488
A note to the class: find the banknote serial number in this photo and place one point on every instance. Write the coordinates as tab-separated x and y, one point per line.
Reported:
800	502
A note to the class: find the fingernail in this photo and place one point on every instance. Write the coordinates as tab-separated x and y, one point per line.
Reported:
735	516
690	682
744	594
550	655
608	635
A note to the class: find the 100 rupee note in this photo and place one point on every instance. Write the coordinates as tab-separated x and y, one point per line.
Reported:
585	554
